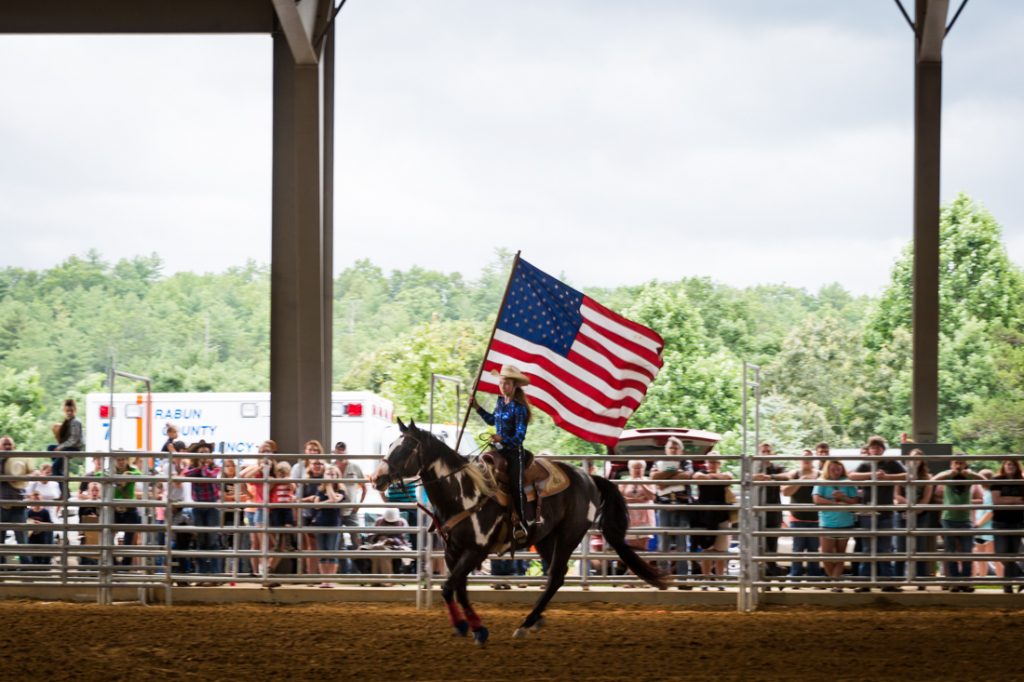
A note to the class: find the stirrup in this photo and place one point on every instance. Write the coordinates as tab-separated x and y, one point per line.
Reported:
519	532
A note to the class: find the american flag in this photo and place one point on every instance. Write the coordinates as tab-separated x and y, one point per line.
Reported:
589	367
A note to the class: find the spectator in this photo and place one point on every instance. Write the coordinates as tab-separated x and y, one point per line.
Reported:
204	493
830	491
69	439
179	494
49	491
1008	489
231	516
281	493
158	514
355	490
12	491
675	520
88	516
984	544
387	541
878	468
313	471
771	495
327	520
255	516
507	568
126	513
38	514
634	494
914	495
403	493
958	494
802	493
171	444
713	519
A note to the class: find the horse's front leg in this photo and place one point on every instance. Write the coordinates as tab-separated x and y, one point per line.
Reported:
466	564
459	624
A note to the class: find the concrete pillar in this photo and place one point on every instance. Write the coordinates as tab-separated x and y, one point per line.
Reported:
927	143
300	366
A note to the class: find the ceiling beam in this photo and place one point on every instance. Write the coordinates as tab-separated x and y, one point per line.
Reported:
933	30
297	19
136	16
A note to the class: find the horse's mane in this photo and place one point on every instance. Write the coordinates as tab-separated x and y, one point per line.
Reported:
481	476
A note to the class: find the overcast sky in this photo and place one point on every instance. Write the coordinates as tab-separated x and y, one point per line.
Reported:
615	142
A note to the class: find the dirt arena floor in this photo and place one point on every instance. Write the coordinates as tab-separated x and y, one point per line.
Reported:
355	641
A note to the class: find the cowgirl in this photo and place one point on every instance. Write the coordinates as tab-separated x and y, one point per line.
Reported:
511	415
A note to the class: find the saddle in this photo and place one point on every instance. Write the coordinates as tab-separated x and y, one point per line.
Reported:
541	477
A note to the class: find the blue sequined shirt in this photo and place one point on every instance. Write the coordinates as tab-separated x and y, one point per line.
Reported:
509	421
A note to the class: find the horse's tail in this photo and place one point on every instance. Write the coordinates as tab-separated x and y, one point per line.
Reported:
614	523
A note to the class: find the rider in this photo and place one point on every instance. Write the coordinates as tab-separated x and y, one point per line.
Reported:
511	415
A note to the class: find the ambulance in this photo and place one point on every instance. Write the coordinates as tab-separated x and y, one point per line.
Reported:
236	423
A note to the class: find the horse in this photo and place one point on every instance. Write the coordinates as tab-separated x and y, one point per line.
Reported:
465	504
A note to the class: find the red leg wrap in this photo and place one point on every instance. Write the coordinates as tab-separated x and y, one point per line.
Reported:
454	615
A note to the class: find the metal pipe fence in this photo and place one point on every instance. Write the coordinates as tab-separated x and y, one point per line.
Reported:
161	539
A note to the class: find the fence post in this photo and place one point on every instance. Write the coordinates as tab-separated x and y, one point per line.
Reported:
106	568
64	509
748	570
422	557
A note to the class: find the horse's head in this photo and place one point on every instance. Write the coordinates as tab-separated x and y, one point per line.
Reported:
404	460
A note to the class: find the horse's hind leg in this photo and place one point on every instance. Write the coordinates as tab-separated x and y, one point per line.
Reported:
557	555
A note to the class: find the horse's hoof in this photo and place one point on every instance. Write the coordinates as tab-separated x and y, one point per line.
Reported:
520	633
480	636
460	629
538	625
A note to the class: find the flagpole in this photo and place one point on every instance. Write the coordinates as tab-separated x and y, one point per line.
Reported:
494	328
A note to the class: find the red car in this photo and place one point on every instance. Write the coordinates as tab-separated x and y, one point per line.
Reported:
649	444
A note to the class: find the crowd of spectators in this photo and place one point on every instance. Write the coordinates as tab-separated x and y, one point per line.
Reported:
315	510
865	510
866	515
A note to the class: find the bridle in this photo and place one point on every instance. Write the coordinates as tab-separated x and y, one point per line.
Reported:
417	451
394	476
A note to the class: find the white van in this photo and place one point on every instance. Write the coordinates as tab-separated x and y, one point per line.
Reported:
236	423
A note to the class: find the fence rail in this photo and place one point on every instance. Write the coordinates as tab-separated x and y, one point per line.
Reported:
149	541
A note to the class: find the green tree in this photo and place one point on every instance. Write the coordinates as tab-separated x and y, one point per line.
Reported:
400	370
697	386
980	292
21	406
995	424
820	364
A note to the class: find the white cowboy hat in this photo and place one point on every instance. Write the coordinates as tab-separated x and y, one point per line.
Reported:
17	466
512	372
391	515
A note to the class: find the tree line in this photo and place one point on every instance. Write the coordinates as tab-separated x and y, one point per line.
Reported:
835	367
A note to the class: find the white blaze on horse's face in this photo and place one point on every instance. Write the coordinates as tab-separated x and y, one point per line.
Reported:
382	470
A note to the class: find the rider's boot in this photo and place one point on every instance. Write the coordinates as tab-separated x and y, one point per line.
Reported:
520	531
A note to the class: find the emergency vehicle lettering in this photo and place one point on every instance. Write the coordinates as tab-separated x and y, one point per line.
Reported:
178	413
240	446
200	430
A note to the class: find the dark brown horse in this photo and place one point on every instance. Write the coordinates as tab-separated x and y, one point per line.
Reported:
461	490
